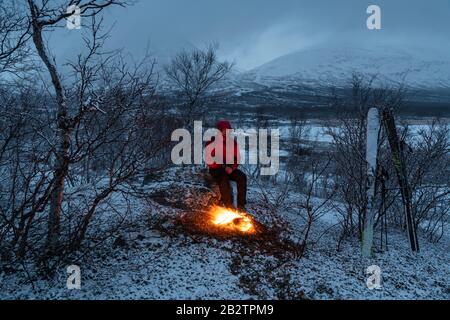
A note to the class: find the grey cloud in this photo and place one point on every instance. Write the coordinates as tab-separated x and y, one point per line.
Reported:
252	32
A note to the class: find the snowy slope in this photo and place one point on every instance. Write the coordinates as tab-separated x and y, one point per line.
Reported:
152	264
423	68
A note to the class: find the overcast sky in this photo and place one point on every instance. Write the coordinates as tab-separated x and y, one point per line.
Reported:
252	32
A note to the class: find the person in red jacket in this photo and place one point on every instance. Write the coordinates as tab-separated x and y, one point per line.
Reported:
228	169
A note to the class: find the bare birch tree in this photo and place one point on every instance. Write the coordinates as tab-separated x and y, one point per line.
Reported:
193	73
44	16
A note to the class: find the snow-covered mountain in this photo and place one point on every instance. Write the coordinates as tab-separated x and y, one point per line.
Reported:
419	67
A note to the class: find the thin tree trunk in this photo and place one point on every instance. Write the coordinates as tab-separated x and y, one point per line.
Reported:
62	153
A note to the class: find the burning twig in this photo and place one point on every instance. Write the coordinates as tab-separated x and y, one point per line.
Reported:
232	220
221	222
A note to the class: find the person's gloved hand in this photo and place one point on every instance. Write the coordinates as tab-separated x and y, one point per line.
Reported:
228	170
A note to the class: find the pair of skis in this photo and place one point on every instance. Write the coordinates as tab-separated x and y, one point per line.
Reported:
398	159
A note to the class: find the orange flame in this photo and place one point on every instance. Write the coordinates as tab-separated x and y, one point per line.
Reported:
231	219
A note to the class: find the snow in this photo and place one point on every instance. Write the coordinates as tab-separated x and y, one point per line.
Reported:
157	264
404	275
313	132
334	64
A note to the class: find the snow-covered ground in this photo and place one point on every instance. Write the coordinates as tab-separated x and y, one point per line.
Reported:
153	262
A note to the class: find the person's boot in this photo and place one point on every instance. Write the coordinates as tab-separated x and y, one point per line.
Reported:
242	208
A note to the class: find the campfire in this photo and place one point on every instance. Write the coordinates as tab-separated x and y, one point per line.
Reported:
229	223
220	222
231	220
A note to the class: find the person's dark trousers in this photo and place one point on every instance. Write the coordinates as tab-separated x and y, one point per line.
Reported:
223	180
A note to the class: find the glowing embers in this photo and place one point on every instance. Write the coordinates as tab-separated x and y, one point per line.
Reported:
231	220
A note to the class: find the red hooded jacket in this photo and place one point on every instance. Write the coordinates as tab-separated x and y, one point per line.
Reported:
223	152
